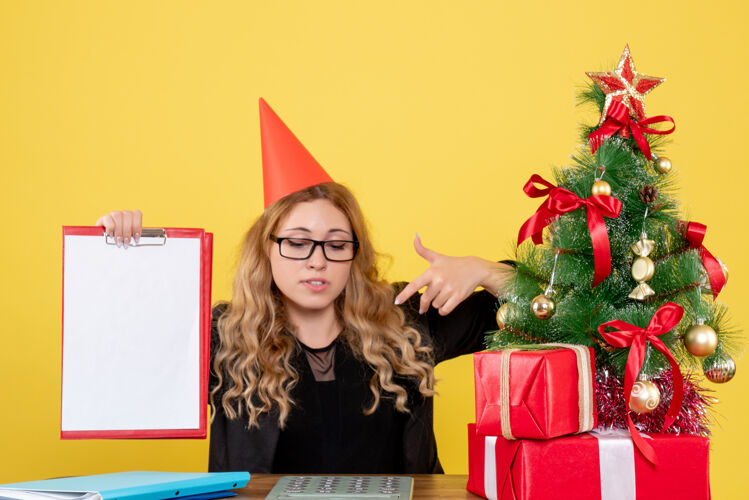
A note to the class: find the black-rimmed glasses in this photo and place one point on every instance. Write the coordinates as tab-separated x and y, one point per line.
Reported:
303	248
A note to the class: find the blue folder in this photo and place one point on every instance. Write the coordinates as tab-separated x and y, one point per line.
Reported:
142	485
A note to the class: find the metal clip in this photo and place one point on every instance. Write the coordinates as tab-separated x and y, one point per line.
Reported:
146	234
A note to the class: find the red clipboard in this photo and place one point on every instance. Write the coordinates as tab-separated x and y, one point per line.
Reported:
135	334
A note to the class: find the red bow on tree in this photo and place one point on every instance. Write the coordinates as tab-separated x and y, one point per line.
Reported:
664	320
694	232
561	201
619	121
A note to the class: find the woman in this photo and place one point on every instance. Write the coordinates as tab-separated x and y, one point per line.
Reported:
317	365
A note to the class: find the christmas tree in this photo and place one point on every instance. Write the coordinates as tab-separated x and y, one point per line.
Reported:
607	261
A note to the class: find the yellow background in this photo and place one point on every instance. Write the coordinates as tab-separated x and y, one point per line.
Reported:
434	113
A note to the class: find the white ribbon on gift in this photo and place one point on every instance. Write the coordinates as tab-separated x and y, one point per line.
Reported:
490	467
616	461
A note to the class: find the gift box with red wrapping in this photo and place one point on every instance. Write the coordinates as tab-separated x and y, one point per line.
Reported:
551	392
595	466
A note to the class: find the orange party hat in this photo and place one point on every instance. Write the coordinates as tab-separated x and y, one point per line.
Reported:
287	165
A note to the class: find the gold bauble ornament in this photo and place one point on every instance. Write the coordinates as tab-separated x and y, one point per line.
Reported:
543	306
663	164
601	188
503	314
700	339
645	397
719	368
642	269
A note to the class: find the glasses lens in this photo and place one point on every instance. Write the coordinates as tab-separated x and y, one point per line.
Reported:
339	250
296	249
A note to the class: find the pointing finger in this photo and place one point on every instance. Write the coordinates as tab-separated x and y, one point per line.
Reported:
417	284
429	255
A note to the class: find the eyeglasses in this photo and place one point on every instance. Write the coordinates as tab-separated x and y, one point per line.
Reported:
303	248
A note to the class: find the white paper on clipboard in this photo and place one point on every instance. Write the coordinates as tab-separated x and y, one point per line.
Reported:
133	338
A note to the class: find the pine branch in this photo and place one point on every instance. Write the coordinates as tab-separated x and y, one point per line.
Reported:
660	297
525	335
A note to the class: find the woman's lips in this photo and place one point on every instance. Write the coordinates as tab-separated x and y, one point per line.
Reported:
316	285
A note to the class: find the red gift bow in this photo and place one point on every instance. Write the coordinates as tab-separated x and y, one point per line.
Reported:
618	120
664	320
561	201
694	232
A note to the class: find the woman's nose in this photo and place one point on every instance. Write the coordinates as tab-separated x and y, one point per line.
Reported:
317	260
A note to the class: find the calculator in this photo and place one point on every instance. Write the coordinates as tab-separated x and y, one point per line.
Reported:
342	488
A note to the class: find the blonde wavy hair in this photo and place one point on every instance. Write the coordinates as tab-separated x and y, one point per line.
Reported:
253	362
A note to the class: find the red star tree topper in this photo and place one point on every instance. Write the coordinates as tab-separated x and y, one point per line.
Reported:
625	85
